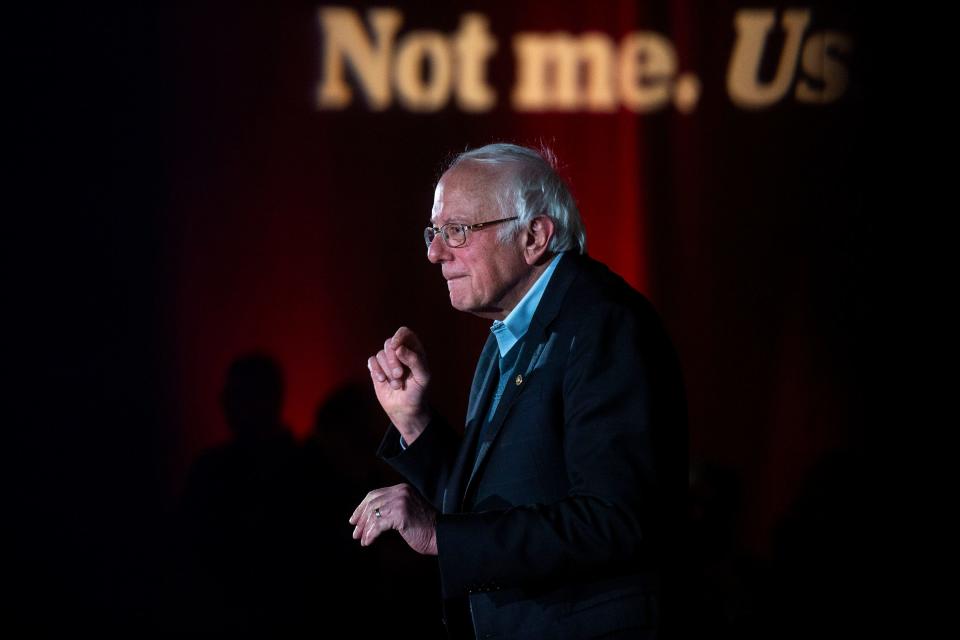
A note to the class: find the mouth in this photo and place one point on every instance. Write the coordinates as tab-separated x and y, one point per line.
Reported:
452	280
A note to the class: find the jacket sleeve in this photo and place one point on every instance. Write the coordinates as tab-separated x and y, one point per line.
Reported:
426	464
612	374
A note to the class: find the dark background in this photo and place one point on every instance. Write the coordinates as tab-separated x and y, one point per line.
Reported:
180	202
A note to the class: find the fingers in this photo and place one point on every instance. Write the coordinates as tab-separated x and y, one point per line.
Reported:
374	525
368	528
390	363
410	352
376	371
401	352
405	337
378	367
358	512
376	494
394	378
367	525
413	361
389	502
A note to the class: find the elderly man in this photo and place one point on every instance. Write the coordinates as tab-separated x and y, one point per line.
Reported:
551	516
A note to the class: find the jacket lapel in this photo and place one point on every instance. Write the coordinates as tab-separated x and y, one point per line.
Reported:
483	380
480	391
532	349
511	391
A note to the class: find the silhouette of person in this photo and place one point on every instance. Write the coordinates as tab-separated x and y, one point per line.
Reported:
243	511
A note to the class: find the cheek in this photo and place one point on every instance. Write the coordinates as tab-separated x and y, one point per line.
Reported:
481	282
460	288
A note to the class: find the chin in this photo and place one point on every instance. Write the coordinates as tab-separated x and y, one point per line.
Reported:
460	305
460	298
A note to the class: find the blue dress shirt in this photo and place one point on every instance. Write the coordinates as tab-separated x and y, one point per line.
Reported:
509	332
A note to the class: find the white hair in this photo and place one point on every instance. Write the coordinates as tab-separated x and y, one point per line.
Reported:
532	188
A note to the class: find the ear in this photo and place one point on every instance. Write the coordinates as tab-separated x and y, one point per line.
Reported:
536	239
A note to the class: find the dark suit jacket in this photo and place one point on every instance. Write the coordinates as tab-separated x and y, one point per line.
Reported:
561	525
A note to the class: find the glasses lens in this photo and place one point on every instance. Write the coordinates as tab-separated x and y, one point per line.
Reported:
455	234
428	235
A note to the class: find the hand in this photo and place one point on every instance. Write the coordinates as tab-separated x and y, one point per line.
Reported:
402	508
400	379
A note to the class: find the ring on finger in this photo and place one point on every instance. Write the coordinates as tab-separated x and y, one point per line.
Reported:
377	513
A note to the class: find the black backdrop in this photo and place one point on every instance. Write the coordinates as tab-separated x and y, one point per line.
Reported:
181	201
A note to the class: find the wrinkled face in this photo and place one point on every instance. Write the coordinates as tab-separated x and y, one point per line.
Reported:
485	277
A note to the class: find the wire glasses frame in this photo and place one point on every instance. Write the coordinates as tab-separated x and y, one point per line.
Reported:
454	234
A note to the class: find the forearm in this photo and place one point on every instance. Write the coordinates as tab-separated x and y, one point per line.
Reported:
426	462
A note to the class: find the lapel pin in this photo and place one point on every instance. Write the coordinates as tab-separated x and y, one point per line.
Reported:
519	379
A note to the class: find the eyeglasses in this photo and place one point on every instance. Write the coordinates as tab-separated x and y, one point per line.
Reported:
454	234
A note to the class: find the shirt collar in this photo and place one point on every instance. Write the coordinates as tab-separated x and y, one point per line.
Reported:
515	325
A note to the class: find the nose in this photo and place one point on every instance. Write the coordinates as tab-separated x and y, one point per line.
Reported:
438	251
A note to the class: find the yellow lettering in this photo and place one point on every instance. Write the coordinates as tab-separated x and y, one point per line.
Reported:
648	64
821	67
564	73
474	45
752	26
416	93
345	40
